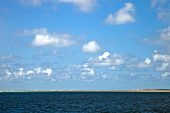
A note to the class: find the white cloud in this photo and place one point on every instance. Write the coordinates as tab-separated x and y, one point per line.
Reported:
165	34
8	73
161	57
34	31
37	70
85	65
162	8
163	67
145	64
124	15
97	62
132	74
31	2
56	40
86	71
119	61
30	72
113	68
10	57
83	5
20	73
106	59
164	75
148	61
155	2
44	38
104	56
91	47
47	71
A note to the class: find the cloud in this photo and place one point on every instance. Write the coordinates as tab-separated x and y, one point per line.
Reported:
83	5
10	57
165	34
30	72
37	70
104	56
56	40
164	75
132	74
44	38
162	8
163	67
156	2
8	73
162	40
107	60
34	31
20	73
123	16
91	47
147	60
87	72
12	73
47	71
161	57
31	2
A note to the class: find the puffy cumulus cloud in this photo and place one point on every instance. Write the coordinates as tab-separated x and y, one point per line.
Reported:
165	34
91	47
47	71
83	5
164	75
162	40
37	70
22	73
163	67
8	73
145	64
44	38
161	57
29	72
106	59
104	56
56	40
148	61
124	15
87	71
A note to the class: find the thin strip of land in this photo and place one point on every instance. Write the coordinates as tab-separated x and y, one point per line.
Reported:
136	90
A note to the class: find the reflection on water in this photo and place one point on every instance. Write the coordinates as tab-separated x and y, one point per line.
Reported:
85	102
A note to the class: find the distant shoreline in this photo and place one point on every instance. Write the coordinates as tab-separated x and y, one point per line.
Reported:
136	90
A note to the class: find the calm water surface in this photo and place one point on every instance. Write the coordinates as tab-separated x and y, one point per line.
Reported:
56	102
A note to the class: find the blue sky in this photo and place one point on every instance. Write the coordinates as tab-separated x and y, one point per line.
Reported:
84	44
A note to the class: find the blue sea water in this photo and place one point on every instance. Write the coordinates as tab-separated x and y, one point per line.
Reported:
87	102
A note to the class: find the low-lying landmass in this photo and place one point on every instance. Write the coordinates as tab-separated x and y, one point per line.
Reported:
136	90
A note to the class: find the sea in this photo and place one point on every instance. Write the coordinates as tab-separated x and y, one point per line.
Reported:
84	102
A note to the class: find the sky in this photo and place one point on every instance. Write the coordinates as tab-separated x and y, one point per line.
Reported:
84	44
